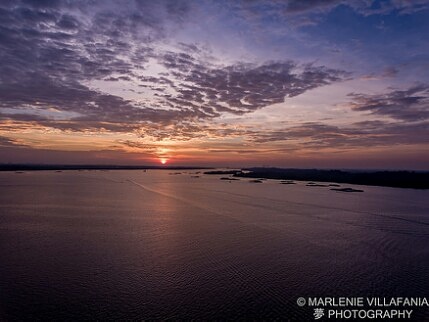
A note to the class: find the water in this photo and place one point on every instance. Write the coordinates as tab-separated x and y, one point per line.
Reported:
115	245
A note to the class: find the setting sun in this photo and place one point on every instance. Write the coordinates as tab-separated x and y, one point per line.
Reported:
214	160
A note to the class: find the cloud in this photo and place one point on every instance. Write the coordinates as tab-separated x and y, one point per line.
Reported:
61	59
317	136
364	7
243	88
236	151
387	72
407	105
297	6
307	135
53	51
299	13
10	142
401	7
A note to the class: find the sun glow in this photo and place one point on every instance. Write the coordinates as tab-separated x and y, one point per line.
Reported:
163	160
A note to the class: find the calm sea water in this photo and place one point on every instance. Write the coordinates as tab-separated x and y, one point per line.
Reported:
115	245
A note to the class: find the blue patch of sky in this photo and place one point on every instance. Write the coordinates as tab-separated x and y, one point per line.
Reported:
377	40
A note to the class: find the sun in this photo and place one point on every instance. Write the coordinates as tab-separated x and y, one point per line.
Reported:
163	160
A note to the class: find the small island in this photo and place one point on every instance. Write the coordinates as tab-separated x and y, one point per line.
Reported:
347	190
396	179
233	172
312	184
287	182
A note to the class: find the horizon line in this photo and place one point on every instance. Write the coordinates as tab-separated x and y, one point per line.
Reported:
63	166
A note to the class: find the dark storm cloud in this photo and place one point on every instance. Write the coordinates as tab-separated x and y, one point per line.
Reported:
408	105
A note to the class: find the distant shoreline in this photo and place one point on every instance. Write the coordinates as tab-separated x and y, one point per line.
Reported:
39	167
381	178
395	179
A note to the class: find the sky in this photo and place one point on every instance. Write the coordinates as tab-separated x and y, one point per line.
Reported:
283	83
